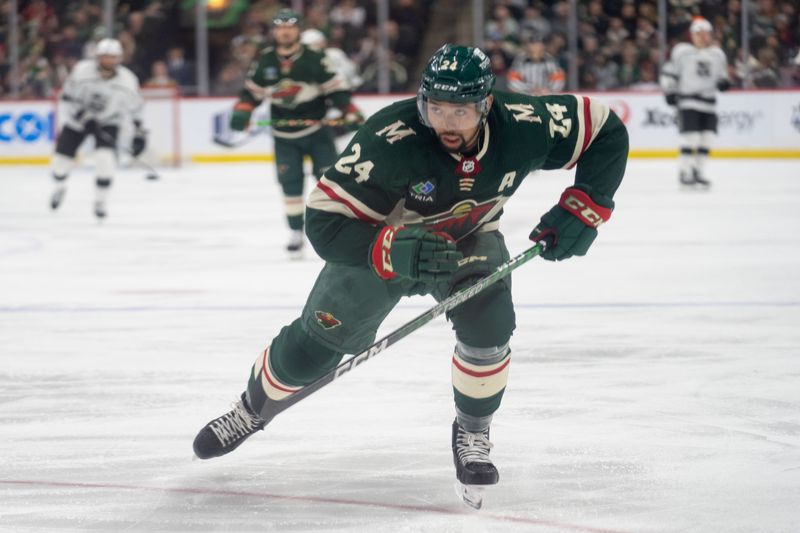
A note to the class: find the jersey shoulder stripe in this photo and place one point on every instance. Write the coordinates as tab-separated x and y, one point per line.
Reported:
592	115
329	196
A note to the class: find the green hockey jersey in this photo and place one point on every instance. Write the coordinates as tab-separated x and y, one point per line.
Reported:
395	172
299	87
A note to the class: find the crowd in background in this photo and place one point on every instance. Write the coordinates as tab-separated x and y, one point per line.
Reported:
618	40
158	39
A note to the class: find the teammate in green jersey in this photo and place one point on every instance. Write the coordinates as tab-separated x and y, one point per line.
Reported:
412	206
301	86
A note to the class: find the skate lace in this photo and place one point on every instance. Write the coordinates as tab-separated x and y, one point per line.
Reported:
472	447
235	424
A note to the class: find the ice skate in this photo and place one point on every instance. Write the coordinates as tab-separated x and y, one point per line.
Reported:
100	209
686	179
57	198
295	244
225	433
474	469
701	181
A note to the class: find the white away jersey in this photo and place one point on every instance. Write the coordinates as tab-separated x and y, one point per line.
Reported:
108	101
692	73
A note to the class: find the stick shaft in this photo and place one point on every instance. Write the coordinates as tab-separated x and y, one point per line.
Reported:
272	407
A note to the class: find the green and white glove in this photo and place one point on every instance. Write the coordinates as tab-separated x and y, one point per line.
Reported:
570	227
415	254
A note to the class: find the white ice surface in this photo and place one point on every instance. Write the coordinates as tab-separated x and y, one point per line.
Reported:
655	383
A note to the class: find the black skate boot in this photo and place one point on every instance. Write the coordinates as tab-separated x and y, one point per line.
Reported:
474	469
471	457
100	210
295	244
57	197
224	434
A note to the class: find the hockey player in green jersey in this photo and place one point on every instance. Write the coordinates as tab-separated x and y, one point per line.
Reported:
412	206
300	85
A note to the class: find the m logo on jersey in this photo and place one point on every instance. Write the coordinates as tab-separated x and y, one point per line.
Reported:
326	320
523	113
423	192
394	133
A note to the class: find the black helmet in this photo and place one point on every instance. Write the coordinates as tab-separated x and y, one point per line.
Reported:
457	74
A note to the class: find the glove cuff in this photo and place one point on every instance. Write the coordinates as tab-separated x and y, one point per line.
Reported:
381	253
581	205
243	106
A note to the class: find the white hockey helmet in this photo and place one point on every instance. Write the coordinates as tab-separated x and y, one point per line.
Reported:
108	47
700	24
313	38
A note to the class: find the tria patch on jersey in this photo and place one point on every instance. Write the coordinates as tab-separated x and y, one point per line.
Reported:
423	192
327	320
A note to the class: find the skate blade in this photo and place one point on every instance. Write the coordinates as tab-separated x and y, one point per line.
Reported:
471	495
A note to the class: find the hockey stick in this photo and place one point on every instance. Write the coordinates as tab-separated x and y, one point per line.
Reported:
230	141
152	174
273	407
293	122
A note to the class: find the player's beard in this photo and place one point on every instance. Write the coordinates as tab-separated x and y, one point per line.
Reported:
288	45
107	72
462	147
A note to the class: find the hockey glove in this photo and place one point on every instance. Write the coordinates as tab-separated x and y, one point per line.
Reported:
90	127
240	119
415	254
671	98
353	118
723	85
139	141
570	227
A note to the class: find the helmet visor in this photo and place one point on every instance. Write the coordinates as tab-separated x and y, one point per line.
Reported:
451	116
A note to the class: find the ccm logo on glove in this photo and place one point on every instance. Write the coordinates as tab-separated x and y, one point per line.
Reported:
579	204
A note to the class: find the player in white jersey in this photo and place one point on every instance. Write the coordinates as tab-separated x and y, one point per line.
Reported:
98	97
337	59
691	79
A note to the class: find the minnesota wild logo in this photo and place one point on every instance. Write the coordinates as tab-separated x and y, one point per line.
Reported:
327	320
423	192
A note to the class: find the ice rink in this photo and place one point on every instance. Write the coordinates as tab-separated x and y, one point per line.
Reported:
654	386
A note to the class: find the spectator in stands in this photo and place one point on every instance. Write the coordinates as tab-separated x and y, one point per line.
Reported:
351	17
180	70
159	76
398	75
500	70
229	80
535	72
534	26
502	27
629	64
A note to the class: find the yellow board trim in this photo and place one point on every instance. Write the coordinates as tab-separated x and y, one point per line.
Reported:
231	158
31	160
